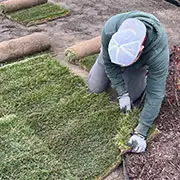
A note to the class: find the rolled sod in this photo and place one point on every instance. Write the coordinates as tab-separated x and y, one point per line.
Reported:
24	46
38	14
52	128
83	49
14	5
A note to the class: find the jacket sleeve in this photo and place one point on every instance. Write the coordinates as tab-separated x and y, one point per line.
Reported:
156	82
112	70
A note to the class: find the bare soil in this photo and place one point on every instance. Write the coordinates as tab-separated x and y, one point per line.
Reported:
162	160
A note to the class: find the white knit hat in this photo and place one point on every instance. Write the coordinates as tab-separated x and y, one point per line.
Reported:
125	44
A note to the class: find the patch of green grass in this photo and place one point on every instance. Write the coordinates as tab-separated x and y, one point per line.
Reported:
125	129
51	127
38	14
24	155
87	62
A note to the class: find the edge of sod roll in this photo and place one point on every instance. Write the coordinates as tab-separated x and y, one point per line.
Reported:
71	56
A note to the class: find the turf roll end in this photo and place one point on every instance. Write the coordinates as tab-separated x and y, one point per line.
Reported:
71	56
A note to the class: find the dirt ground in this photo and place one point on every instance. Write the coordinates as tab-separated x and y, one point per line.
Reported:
162	160
86	19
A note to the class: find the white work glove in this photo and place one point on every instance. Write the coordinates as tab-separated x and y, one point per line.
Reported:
138	143
125	103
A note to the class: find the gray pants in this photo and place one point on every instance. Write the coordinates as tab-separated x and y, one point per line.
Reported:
135	79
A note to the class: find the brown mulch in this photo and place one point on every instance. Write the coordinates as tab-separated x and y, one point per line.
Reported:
161	161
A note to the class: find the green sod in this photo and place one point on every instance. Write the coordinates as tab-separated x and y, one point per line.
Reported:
38	14
87	62
52	128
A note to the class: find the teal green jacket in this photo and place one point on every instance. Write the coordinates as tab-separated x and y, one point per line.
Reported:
155	55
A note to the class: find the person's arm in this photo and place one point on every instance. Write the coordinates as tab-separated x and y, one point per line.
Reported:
156	82
113	71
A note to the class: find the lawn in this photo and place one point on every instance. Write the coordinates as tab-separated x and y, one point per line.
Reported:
87	62
52	128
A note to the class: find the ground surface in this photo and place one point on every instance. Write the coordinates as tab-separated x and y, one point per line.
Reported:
162	160
85	22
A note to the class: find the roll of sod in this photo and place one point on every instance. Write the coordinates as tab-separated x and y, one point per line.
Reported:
24	46
14	5
83	49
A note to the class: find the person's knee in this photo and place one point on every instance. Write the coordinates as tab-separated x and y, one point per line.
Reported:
97	81
94	86
94	90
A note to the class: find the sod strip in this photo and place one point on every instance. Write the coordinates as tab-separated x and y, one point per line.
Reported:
38	14
87	62
52	128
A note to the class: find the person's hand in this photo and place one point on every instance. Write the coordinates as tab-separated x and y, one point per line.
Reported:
125	103
138	143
